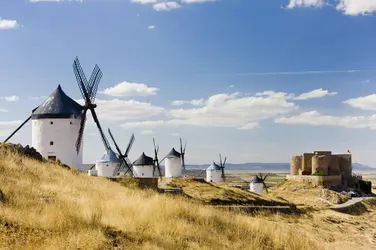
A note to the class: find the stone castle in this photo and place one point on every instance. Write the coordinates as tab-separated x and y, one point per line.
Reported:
323	168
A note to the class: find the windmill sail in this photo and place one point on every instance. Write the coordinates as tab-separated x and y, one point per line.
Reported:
125	162
88	92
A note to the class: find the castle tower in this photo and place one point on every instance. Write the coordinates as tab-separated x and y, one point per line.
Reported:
55	126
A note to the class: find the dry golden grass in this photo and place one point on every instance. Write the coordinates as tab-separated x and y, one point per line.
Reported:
305	194
48	207
222	193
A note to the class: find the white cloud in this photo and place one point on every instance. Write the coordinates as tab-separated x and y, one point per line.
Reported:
357	7
130	89
314	118
166	6
144	1
122	110
305	3
151	27
197	1
12	98
317	93
37	98
147	132
10	123
198	102
7	127
231	86
348	7
174	134
8	24
5	132
54	1
365	102
226	110
3	110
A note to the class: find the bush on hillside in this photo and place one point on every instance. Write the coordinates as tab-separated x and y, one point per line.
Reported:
26	151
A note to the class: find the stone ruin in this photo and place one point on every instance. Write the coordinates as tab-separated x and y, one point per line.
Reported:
322	167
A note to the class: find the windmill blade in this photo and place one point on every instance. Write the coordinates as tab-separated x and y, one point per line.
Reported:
181	146
161	160
266	176
185	146
105	142
159	170
220	160
129	145
7	139
128	166
183	160
155	148
224	162
266	188
81	131
81	79
94	82
116	145
260	176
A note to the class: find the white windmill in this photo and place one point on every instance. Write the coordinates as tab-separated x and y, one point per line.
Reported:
257	184
54	127
216	173
143	167
173	163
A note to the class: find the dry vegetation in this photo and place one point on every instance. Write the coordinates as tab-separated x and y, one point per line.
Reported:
222	194
306	194
49	207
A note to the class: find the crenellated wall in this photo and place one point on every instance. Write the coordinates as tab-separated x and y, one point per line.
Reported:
323	162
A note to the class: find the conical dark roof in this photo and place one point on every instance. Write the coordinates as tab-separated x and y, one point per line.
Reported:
144	160
256	179
109	156
58	105
173	153
214	166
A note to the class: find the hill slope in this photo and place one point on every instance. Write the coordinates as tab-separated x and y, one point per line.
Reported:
273	166
49	207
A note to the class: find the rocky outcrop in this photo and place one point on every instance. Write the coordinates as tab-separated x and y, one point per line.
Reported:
26	151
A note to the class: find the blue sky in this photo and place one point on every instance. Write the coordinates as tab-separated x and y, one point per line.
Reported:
255	80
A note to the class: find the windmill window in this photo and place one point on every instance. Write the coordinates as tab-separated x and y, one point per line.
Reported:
51	143
51	122
107	165
70	123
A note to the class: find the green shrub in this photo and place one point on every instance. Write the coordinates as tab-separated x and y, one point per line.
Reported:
319	173
365	186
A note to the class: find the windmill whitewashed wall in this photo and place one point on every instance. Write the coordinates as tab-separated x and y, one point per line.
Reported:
55	126
143	167
214	173
108	164
256	186
173	164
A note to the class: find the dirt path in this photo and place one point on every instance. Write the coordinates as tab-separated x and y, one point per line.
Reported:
349	203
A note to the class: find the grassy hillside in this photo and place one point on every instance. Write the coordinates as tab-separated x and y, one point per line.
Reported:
222	194
49	207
